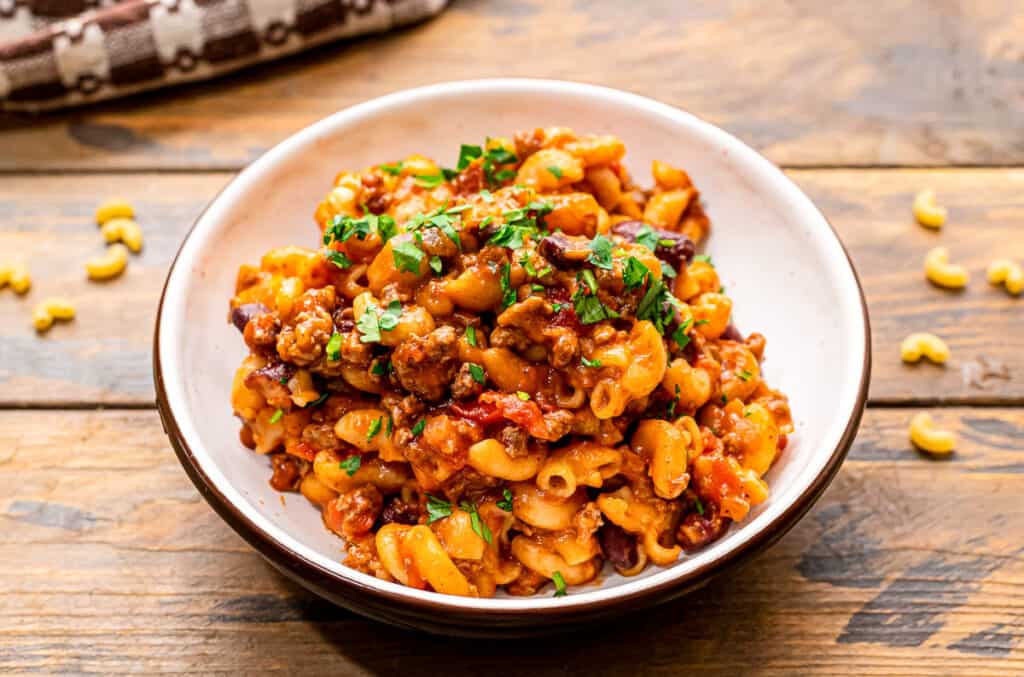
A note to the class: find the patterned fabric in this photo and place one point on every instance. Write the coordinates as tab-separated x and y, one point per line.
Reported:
56	53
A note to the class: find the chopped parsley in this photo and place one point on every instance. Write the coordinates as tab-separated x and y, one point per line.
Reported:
436	265
555	171
657	305
380	368
374	428
277	416
318	401
283	380
700	322
670	412
634	273
351	464
525	397
704	258
333	349
443	218
537	287
601	252
667	270
393	170
593	364
471	335
430	180
587	305
698	505
342	227
477	372
417	429
486	195
506	500
467	154
647	237
511	236
680	336
437	508
725	398
479	526
745	375
407	256
527	265
559	584
339	259
373	321
508	295
391	427
557	307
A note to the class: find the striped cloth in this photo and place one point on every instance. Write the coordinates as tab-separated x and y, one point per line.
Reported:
56	53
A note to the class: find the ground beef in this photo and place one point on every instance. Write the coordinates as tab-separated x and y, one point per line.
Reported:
321	437
398	511
426	365
358	510
305	335
464	386
286	472
515	440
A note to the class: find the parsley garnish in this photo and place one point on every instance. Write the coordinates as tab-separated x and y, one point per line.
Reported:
705	258
700	322
277	416
407	256
658	306
318	401
555	171
634	273
339	259
679	335
391	427
725	398
593	364
557	307
437	508
351	464
373	321
342	227
647	237
525	397
537	287
511	236
559	584
486	195
467	154
471	335
697	504
477	372
393	170
745	375
443	218
334	347
588	306
670	412
418	428
430	180
508	296
380	368
479	526
601	256
527	264
436	265
506	501
374	428
667	270
283	380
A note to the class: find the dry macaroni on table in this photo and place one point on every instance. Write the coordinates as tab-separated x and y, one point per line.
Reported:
507	373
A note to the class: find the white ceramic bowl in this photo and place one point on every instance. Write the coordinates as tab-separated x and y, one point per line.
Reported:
782	263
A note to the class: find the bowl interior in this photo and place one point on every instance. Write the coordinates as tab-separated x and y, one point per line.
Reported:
777	256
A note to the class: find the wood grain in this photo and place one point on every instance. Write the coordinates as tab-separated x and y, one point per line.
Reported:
113	563
104	356
806	82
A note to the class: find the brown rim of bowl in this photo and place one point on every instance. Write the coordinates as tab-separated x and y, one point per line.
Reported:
321	579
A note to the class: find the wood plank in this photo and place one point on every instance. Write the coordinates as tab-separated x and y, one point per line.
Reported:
109	343
907	566
806	82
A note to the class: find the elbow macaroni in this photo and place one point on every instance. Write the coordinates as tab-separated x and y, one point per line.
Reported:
928	345
927	437
1008	273
939	270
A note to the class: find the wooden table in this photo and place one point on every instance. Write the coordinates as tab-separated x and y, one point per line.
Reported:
907	566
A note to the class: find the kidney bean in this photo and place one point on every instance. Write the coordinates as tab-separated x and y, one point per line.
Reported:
286	472
731	333
680	251
565	251
241	315
399	512
618	545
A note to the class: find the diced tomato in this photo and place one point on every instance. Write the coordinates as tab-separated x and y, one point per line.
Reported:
480	412
524	414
